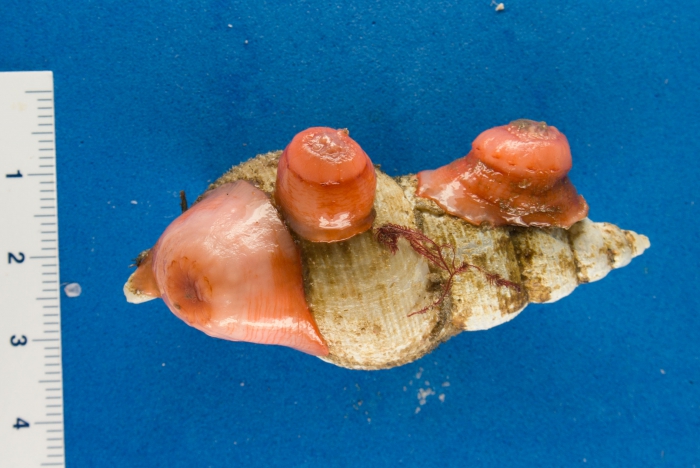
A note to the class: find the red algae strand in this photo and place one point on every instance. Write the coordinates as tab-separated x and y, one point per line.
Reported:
443	257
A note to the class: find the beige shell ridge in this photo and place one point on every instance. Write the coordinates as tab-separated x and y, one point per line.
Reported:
362	297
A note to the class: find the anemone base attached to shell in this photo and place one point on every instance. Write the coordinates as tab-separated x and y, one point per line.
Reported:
361	296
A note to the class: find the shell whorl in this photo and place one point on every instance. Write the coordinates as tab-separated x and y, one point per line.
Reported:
361	295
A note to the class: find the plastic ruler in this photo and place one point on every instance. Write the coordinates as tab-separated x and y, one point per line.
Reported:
31	382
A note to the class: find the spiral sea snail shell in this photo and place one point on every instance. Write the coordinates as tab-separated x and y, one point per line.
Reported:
362	297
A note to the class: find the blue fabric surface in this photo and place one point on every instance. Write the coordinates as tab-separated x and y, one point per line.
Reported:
153	97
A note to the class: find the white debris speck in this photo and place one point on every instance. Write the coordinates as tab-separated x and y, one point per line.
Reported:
162	365
424	394
427	384
230	25
242	384
73	290
445	384
417	410
500	7
246	41
404	388
442	398
420	372
134	202
663	371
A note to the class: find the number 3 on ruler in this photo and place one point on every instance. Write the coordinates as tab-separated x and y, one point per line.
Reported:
20	424
18	342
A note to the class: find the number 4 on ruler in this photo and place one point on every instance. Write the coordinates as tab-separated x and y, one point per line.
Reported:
21	423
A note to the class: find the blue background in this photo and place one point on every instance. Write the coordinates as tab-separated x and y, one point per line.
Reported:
153	97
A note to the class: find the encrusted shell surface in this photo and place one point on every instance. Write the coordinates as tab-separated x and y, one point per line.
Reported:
361	296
